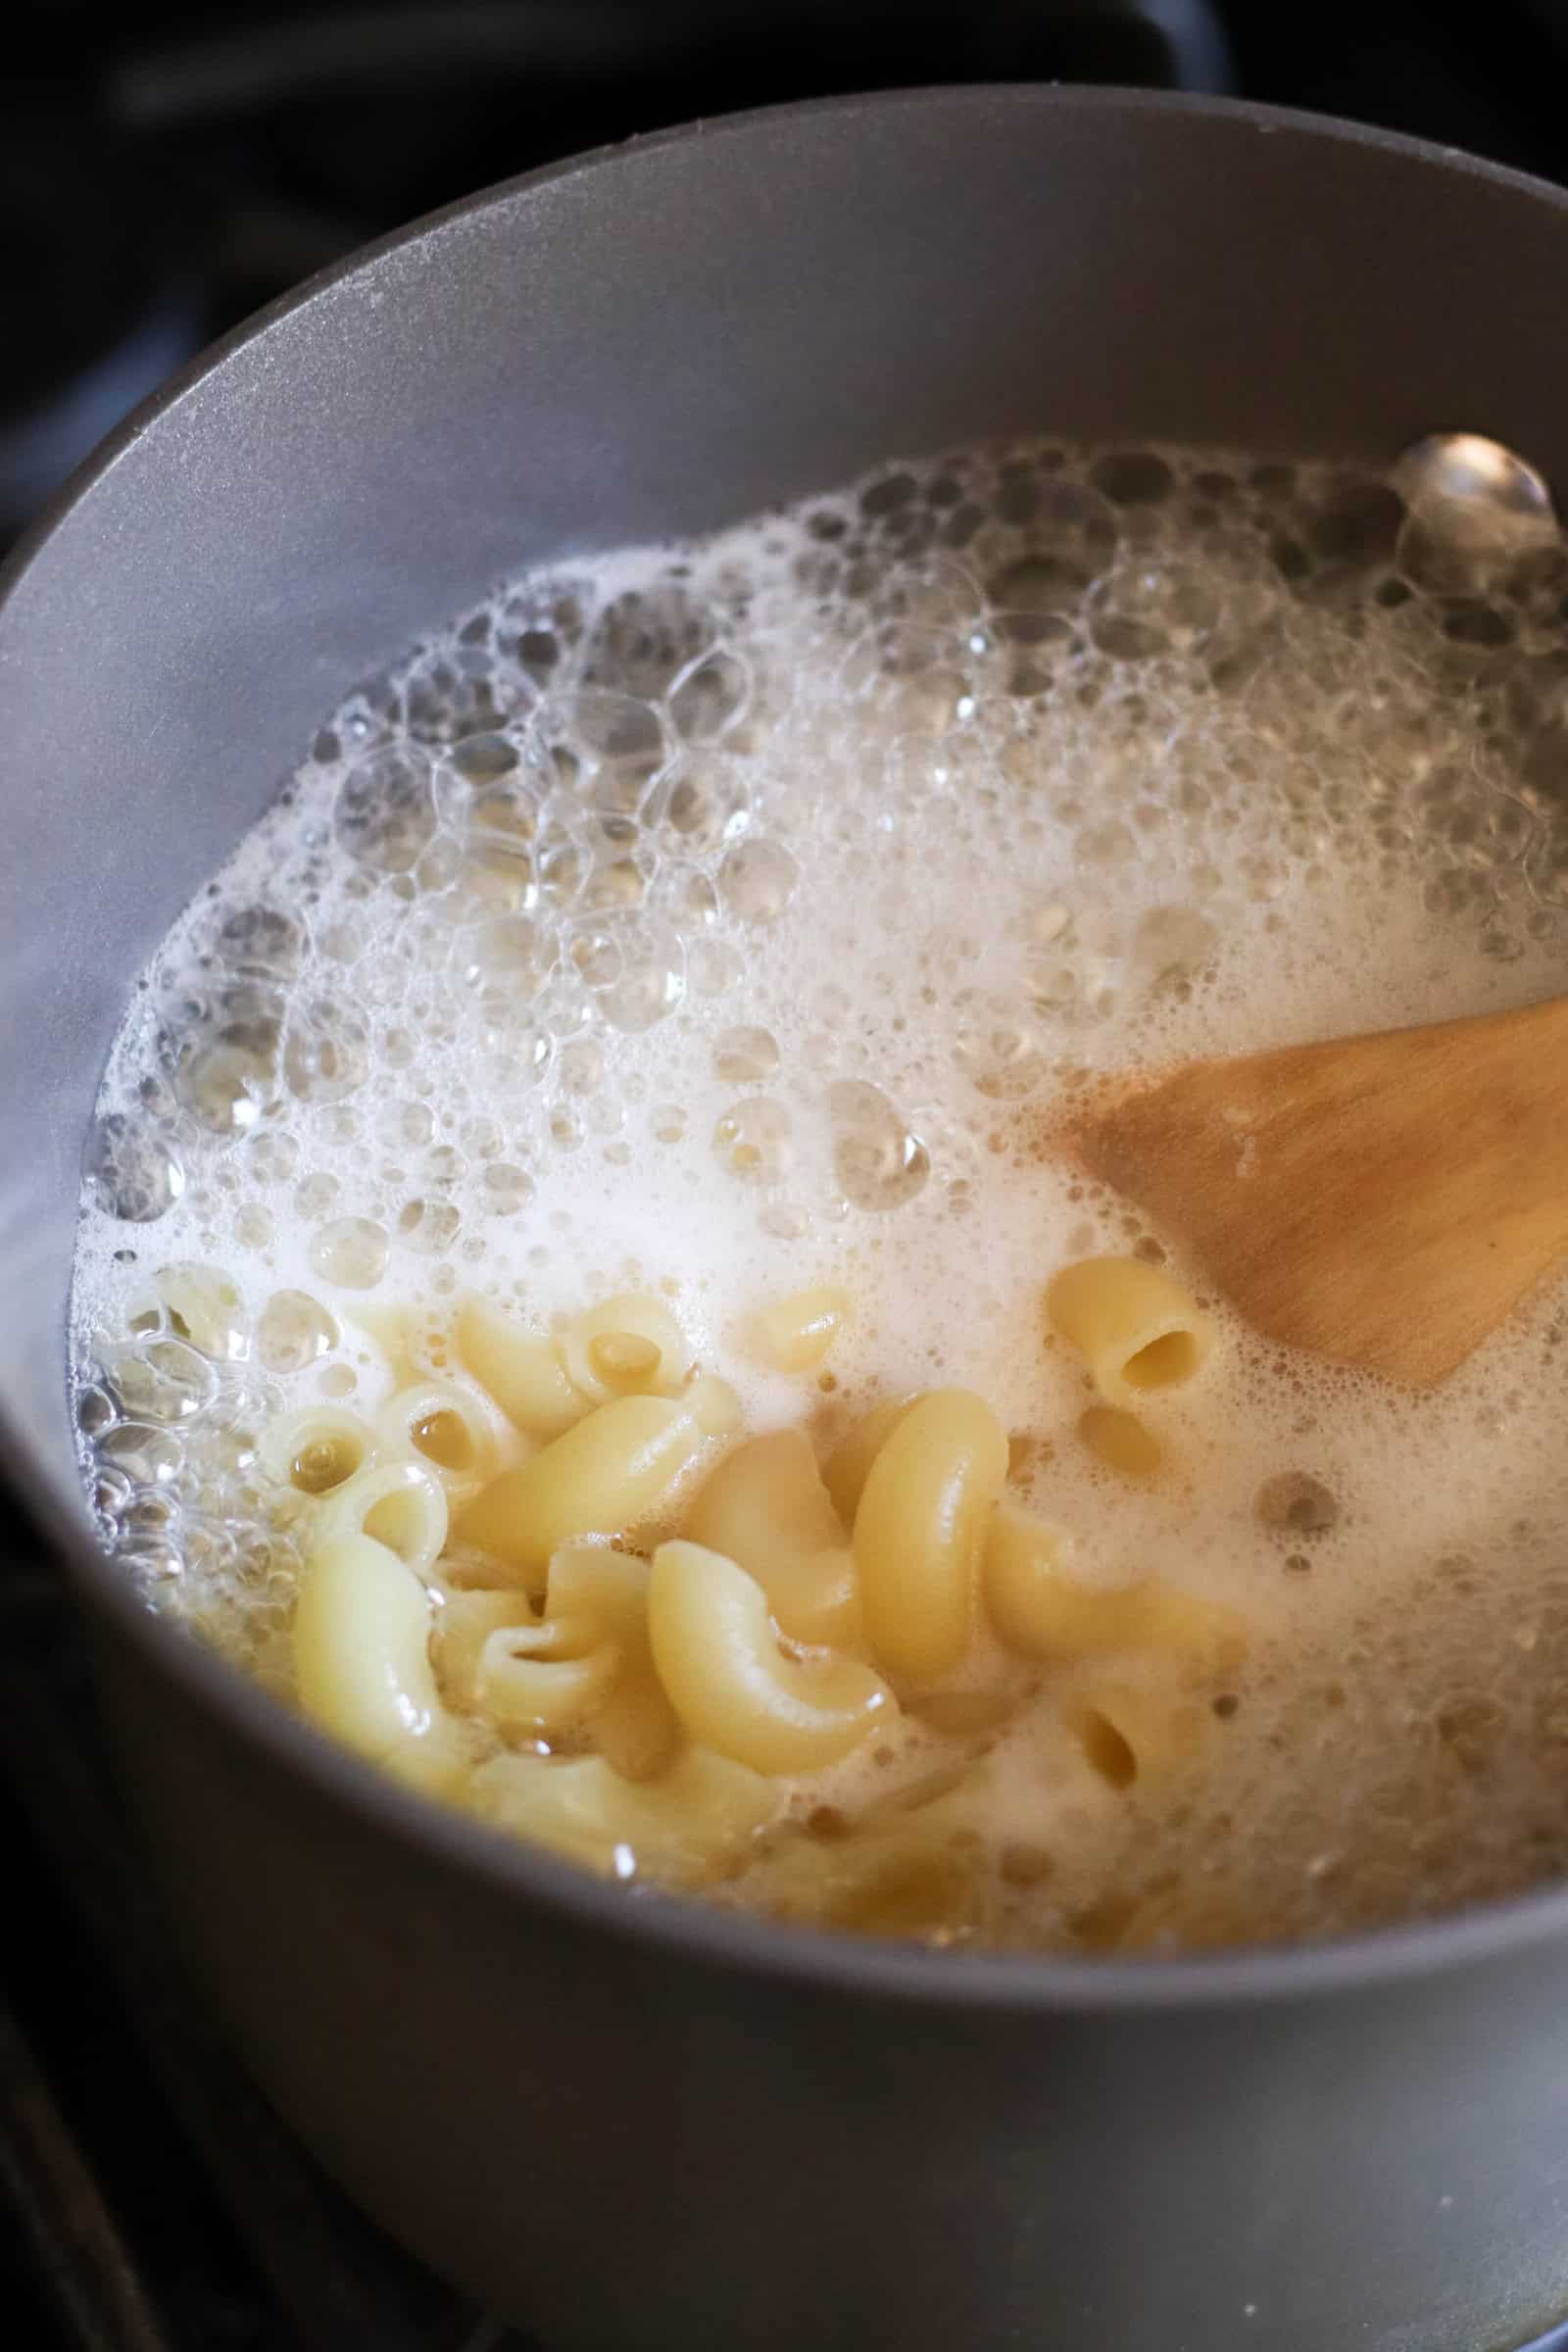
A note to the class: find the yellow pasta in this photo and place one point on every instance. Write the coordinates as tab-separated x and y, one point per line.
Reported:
520	1369
630	1345
797	1332
633	1725
317	1448
1120	1440
897	1878
918	1531
766	1508
715	1404
849	1465
684	1827
600	1477
1137	1328
544	1678
400	1503
443	1424
1042	1612
463	1624
1132	1732
585	1660
395	1332
731	1685
911	1865
361	1661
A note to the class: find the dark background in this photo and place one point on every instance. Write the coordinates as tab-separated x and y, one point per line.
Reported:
164	170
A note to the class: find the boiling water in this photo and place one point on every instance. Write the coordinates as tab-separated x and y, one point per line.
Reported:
724	918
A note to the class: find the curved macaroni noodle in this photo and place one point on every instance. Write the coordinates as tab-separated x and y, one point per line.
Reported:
1136	1328
463	1624
544	1677
361	1661
317	1448
1130	1732
442	1424
766	1508
1042	1612
892	1878
796	1333
1120	1440
634	1725
849	1465
600	1477
683	1826
630	1345
918	1531
400	1503
730	1683
520	1369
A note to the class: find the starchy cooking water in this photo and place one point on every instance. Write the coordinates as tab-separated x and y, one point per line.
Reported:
722	918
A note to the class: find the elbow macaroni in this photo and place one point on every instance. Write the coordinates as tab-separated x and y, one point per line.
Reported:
1136	1328
766	1508
633	1725
362	1663
318	1448
849	1465
1120	1440
797	1332
520	1369
919	1528
400	1503
1132	1732
441	1424
630	1345
682	1676
603	1477
1040	1611
683	1827
732	1687
464	1625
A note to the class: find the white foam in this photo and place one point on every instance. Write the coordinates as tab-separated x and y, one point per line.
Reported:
1097	785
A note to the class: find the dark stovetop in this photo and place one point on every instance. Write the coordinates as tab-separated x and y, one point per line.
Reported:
150	2201
158	180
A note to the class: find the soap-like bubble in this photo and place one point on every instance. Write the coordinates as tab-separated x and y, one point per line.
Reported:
745	1057
881	1161
752	1139
226	1069
262	943
294	1330
1475	509
757	879
163	1380
132	1168
385	812
710	696
351	1251
327	1052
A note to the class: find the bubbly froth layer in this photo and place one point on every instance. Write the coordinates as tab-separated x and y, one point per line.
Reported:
728	918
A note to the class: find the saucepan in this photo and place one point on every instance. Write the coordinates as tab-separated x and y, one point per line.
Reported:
639	2123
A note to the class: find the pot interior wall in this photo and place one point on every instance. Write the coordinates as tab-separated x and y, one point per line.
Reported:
656	343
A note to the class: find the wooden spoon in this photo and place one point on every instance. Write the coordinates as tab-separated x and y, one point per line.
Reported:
1382	1200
